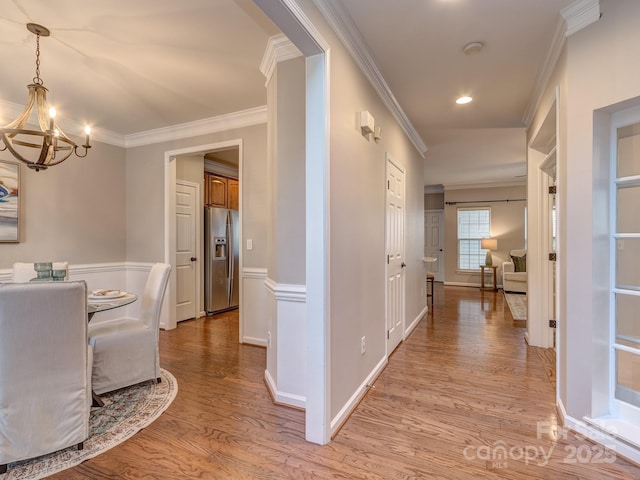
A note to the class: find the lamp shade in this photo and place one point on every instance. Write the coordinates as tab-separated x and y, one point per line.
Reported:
489	244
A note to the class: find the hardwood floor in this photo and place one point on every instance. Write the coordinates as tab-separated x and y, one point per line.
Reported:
463	385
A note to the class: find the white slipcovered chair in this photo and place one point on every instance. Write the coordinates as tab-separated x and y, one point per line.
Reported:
45	369
24	272
125	352
512	280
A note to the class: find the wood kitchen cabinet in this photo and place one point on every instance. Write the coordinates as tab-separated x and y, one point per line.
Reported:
216	191
221	191
233	190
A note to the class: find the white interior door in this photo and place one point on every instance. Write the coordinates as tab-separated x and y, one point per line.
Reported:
434	242
395	225
187	271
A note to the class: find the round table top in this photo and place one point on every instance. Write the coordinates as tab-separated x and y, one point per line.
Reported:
101	305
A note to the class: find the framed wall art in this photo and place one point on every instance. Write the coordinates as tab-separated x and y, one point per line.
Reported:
9	202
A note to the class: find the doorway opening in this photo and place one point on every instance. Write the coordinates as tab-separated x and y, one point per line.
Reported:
184	168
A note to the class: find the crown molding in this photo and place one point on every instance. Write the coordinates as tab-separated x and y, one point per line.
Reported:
279	48
211	166
69	126
580	14
230	121
243	118
574	17
341	23
546	71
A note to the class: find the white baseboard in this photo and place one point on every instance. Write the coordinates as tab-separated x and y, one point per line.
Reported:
590	430
284	398
466	284
360	392
259	342
415	322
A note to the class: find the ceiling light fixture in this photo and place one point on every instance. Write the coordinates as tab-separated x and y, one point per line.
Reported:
51	144
463	100
472	48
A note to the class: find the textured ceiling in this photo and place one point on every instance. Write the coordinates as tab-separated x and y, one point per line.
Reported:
132	66
418	47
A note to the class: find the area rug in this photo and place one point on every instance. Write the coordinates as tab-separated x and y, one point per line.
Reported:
125	413
517	304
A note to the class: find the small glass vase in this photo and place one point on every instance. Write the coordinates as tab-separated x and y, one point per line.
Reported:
43	271
59	275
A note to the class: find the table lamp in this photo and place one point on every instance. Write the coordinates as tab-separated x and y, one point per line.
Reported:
489	244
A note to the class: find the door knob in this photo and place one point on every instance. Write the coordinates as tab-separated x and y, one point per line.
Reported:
193	259
403	264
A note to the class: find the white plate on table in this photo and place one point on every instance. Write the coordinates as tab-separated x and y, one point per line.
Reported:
106	294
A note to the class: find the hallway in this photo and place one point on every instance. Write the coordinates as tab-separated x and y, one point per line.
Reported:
462	398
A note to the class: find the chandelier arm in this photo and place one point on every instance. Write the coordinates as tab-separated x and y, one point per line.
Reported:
63	137
47	153
86	150
42	108
60	160
14	152
23	118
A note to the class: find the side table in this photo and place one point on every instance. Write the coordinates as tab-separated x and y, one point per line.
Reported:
495	275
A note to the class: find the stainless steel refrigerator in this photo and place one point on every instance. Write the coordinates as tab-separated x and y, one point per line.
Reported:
221	257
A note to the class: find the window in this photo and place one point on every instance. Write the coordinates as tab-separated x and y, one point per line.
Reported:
626	251
473	225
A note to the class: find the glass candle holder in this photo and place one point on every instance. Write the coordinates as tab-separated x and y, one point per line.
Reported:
43	270
59	275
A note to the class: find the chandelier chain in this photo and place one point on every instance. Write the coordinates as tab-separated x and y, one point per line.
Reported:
37	80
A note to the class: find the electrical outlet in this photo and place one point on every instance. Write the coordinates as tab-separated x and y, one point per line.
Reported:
363	345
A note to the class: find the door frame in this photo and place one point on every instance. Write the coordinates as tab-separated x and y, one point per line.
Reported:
198	248
439	276
169	320
389	160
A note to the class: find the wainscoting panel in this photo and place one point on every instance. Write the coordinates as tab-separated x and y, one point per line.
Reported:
129	276
253	311
287	351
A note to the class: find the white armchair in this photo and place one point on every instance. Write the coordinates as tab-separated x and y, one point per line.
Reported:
45	369
512	280
125	352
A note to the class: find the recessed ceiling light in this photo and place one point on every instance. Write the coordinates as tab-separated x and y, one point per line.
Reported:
463	100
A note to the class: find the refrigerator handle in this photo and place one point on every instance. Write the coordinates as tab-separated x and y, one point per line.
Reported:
230	247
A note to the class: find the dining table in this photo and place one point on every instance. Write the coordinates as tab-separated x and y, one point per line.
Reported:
96	304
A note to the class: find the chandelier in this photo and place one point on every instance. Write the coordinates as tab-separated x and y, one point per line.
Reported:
49	145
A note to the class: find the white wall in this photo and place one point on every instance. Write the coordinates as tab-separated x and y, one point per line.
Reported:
602	69
357	223
74	211
145	194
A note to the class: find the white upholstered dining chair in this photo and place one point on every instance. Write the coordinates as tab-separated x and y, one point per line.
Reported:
24	272
125	352
45	369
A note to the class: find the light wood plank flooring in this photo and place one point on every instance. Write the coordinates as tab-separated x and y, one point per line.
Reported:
463	385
